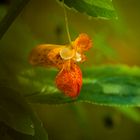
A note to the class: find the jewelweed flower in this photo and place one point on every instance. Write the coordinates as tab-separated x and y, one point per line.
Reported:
64	58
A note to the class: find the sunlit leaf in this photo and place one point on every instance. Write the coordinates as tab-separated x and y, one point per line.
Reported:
95	8
105	86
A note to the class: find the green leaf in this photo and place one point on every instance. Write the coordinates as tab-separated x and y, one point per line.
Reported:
112	86
40	132
95	8
132	113
16	113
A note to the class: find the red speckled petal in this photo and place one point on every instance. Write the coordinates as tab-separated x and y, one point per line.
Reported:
70	81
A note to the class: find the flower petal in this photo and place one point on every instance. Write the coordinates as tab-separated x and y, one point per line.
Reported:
46	55
82	43
55	58
70	81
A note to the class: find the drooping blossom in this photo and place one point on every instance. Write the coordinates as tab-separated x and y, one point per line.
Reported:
64	58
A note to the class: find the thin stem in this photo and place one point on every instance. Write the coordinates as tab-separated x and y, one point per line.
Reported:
13	12
67	25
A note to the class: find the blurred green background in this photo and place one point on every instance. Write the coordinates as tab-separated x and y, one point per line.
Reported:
114	42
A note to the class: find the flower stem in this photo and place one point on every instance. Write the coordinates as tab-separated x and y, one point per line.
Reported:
67	25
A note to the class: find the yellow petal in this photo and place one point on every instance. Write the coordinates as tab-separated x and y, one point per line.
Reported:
45	55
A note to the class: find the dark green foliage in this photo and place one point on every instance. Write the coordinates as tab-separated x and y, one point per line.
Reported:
16	113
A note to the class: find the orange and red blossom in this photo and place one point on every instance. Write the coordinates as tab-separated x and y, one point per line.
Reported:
70	81
63	57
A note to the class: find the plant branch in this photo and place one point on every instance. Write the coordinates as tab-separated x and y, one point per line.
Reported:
11	15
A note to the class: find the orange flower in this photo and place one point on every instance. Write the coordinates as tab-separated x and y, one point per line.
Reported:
70	81
63	57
